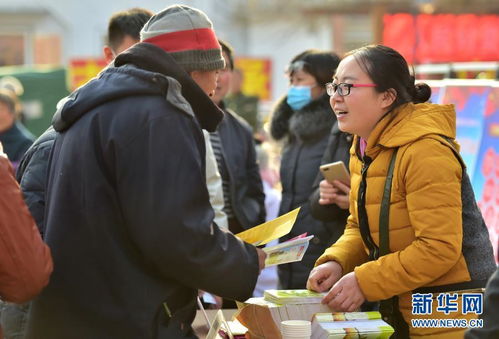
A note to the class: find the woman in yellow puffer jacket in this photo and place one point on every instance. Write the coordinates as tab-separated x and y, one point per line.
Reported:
374	97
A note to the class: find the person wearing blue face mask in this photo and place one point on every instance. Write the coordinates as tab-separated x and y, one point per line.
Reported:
303	120
299	96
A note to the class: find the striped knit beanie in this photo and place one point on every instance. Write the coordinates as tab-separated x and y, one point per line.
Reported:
187	34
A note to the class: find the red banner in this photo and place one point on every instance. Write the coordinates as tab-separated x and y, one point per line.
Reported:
467	45
488	45
401	28
443	38
424	44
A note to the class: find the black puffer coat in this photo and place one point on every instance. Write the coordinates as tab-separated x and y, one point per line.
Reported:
305	134
338	149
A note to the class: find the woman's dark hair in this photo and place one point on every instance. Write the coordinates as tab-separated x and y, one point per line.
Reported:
388	69
320	64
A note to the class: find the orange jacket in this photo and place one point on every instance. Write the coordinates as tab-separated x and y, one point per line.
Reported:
25	260
425	226
425	229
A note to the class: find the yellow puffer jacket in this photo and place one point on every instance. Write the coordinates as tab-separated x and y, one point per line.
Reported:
425	227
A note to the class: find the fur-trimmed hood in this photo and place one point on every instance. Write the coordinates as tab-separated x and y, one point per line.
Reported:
311	122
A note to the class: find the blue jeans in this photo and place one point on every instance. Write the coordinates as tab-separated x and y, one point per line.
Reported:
14	319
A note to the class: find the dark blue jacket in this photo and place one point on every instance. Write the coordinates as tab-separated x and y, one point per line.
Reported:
128	217
32	175
246	188
305	134
338	149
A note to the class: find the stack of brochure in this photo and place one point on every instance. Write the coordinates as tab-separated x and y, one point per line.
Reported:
350	325
293	296
263	318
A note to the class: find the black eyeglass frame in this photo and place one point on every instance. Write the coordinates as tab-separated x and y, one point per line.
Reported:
343	87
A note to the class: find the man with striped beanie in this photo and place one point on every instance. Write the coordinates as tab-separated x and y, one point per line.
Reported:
127	216
187	34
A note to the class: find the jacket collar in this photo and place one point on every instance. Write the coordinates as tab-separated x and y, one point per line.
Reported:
408	123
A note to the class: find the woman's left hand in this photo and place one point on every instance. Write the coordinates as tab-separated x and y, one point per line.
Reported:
346	295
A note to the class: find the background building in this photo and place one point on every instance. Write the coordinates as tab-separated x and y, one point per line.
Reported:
59	33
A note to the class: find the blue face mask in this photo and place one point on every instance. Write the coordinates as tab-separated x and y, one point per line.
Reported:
299	96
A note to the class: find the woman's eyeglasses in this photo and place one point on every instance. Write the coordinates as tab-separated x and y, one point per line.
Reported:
343	89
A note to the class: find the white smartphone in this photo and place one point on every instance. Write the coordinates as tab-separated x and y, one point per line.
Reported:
335	171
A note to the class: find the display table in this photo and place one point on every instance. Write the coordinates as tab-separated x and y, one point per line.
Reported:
199	325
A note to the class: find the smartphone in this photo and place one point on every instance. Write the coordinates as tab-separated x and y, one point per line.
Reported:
335	171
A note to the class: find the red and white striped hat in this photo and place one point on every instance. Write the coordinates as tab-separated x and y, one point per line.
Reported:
187	34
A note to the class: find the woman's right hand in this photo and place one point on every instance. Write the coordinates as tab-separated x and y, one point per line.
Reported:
324	276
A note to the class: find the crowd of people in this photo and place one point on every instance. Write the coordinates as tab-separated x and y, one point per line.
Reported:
133	197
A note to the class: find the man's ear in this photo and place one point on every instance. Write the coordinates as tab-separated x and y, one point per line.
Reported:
108	54
195	76
388	98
